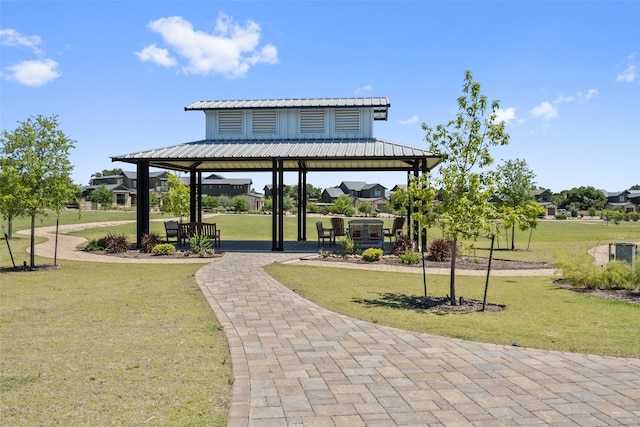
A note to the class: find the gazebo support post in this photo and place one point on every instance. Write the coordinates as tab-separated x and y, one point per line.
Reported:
281	205
142	201
199	196
274	204
192	195
302	203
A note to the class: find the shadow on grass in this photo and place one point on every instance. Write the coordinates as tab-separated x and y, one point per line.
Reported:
420	304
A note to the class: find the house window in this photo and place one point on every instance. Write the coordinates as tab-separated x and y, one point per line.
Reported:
312	121
134	183
121	199
377	193
264	121
347	121
621	198
230	122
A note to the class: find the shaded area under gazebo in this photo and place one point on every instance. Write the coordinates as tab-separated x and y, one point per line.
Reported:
274	156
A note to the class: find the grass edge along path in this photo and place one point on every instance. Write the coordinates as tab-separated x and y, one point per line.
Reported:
98	344
538	314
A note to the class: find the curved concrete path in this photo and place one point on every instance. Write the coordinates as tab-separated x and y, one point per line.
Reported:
298	364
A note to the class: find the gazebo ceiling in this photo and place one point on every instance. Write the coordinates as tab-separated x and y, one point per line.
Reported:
310	155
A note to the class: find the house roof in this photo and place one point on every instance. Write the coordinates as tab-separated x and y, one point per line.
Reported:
117	188
354	185
370	186
366	154
334	192
380	105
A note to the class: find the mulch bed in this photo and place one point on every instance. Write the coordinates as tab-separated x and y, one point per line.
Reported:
620	294
463	263
135	254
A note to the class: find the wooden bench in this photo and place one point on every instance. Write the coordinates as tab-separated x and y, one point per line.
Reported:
367	232
188	229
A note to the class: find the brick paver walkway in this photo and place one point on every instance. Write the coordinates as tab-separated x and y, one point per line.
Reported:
297	364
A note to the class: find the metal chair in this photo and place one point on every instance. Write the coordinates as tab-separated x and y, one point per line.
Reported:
396	230
171	230
338	226
325	233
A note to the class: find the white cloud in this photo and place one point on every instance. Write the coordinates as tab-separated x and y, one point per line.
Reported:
230	49
590	94
630	72
34	73
156	55
365	88
10	37
628	75
561	99
544	111
411	120
506	115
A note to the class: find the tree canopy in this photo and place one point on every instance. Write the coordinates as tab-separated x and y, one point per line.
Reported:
106	172
102	195
176	200
515	196
35	170
583	198
456	198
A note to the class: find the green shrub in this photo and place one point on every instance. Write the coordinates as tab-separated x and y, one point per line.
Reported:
96	245
148	241
372	254
349	246
561	216
581	271
410	257
200	243
617	274
163	249
117	243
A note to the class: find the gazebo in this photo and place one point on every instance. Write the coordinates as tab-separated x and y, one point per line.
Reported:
277	136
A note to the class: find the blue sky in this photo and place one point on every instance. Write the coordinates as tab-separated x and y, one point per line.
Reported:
119	73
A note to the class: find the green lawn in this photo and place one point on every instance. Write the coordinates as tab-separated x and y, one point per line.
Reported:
94	344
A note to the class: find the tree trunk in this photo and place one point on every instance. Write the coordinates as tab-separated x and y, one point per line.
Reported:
513	237
452	280
32	262
10	227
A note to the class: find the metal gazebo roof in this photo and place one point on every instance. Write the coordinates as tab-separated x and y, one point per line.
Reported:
312	155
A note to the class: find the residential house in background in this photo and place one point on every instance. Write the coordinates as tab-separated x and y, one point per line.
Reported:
124	187
359	191
217	185
330	194
543	197
626	201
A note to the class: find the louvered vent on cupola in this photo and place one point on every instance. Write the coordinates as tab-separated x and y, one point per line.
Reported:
264	121
230	122
312	121
347	120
